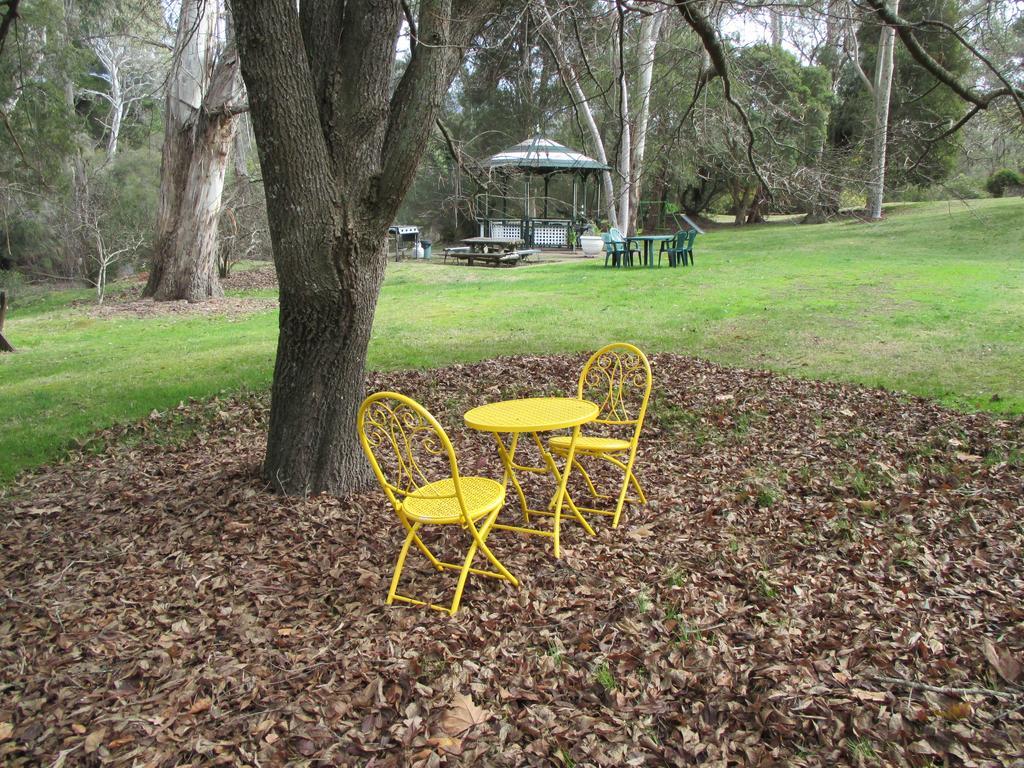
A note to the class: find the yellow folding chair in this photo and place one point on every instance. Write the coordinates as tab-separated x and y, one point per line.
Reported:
618	378
415	464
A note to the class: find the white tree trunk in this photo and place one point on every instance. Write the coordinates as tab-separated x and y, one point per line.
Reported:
202	96
882	89
650	27
776	24
571	78
625	135
110	56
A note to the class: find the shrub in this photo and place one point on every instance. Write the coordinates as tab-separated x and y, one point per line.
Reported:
11	282
957	188
1003	179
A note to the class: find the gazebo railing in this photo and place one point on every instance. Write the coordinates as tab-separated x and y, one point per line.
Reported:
535	233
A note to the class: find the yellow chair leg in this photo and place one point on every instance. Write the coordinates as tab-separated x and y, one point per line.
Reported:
401	563
636	484
434	560
462	578
625	487
484	531
590	483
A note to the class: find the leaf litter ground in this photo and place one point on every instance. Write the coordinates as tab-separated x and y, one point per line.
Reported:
824	574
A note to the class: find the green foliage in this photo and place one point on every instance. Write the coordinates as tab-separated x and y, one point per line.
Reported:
960	187
676	576
12	283
643	600
604	677
788	105
128	191
1003	179
920	108
42	124
766	495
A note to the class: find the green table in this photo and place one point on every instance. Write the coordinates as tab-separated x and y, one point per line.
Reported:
648	243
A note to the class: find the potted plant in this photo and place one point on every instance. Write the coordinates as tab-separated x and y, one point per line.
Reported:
592	244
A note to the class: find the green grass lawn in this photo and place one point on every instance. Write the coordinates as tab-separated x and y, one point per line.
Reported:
930	301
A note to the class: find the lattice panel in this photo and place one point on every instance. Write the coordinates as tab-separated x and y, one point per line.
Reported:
553	236
505	229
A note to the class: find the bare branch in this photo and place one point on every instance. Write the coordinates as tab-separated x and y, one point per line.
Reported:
413	36
700	24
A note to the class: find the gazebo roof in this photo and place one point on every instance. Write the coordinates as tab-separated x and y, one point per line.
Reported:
542	154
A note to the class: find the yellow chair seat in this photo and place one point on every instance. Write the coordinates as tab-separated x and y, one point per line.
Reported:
584	444
436	502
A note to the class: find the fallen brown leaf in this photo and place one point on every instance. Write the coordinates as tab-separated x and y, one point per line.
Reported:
1002	661
94	740
463	715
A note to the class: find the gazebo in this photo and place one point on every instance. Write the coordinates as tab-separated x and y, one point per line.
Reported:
543	221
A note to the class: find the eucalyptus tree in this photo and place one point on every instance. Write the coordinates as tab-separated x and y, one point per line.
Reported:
63	137
975	97
630	33
204	95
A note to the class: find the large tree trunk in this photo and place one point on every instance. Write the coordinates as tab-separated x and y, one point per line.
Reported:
338	147
319	375
625	126
202	100
881	92
742	195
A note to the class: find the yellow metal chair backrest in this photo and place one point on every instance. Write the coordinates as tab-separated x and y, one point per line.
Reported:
407	448
618	378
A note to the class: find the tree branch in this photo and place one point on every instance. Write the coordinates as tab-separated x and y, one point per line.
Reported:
951	691
411	22
446	28
980	56
700	24
457	154
9	17
905	31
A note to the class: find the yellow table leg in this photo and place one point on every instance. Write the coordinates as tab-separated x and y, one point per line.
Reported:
549	459
508	454
560	495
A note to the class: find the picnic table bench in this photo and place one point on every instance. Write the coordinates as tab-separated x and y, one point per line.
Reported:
497	252
496	259
455	250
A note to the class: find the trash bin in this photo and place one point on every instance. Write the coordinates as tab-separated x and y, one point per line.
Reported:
426	248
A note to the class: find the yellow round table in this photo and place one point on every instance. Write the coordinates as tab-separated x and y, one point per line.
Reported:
531	416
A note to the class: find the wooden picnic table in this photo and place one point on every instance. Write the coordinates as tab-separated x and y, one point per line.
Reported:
486	244
496	251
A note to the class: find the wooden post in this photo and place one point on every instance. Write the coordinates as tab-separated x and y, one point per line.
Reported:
5	345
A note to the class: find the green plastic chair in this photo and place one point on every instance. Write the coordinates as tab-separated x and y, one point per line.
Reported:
681	248
623	245
689	246
615	248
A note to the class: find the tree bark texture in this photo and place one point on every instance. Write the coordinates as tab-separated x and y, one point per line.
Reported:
338	148
650	28
202	99
881	92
